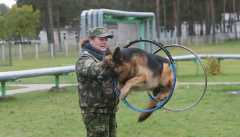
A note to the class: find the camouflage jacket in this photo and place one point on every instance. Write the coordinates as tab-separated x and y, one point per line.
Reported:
93	97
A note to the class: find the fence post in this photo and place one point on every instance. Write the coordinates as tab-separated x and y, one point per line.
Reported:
3	59
51	50
36	51
196	38
10	53
188	38
66	49
3	88
57	81
181	41
20	51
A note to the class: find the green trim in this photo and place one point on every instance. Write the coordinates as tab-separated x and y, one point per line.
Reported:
57	80
196	63
122	20
3	87
109	18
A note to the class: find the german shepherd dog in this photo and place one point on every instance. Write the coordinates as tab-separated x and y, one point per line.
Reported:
136	69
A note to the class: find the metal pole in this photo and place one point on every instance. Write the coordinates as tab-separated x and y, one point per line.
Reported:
3	53
36	51
66	49
57	81
20	51
196	63
10	53
3	88
51	50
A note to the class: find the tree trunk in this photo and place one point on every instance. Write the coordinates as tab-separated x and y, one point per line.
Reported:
178	20
51	24
190	19
175	10
145	5
165	20
234	20
58	28
79	27
201	19
230	17
213	21
224	11
238	9
158	20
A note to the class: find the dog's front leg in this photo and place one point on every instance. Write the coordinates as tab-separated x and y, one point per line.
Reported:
134	82
120	85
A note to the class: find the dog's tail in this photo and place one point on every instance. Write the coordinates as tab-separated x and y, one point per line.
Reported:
152	104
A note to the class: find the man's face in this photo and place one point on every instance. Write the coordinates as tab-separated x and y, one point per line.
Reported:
99	43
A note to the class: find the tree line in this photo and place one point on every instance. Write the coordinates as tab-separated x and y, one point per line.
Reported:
169	13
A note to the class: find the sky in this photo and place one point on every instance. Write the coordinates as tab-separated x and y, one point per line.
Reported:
9	3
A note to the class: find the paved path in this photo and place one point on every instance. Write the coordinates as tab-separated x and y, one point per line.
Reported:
31	87
36	87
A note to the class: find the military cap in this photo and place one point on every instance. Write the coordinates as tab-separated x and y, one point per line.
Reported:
99	32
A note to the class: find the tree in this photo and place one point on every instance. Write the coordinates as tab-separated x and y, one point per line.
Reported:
164	18
157	19
22	22
3	9
50	16
224	11
235	19
3	34
213	20
178	21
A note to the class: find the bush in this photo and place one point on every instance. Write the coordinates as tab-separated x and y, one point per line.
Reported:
213	67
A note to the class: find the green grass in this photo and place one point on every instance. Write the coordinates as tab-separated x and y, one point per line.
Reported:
45	113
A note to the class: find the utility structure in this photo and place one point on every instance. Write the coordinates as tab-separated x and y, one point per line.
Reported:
145	22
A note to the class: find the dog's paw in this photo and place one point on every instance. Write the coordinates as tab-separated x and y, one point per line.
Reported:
124	93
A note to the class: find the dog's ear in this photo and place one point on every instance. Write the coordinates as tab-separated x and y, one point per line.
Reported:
117	55
108	52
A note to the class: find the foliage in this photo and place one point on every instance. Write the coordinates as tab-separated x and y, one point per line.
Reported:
213	67
3	35
22	22
3	9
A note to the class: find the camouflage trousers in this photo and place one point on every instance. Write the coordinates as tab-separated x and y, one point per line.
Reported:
100	125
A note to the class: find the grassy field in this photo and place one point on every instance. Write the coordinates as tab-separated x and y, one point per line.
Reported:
48	113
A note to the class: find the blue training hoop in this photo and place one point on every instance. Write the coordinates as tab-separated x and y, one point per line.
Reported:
172	67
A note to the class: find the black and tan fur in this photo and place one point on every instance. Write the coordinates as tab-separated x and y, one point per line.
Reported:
136	69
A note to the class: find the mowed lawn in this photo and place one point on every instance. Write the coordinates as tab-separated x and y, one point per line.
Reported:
56	113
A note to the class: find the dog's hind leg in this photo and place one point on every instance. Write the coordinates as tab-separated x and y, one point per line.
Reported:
166	82
152	104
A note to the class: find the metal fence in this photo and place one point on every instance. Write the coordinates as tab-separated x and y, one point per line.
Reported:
66	49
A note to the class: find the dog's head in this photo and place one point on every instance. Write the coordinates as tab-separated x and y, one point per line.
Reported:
110	67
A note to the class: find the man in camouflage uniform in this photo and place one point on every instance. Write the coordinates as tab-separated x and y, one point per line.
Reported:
98	104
